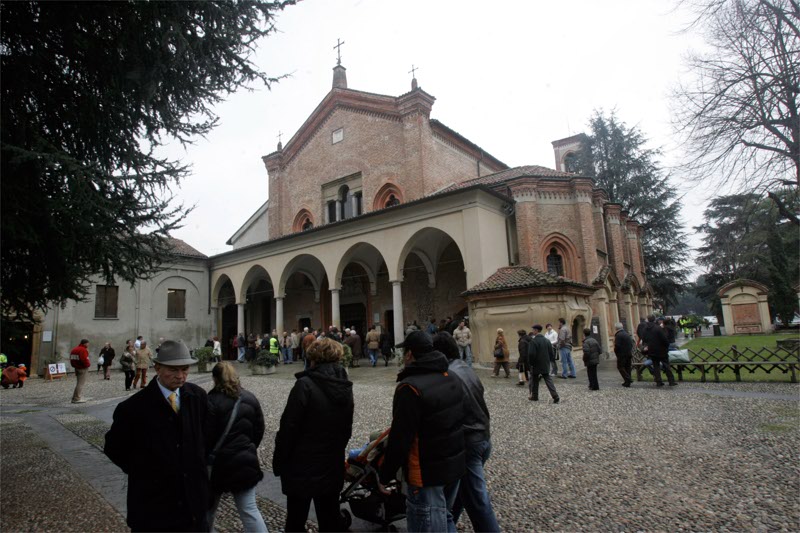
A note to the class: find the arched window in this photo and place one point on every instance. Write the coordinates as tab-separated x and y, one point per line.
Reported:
307	225
392	201
555	263
303	221
388	195
571	162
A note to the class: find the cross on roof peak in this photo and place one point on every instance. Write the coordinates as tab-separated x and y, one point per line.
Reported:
338	48
413	71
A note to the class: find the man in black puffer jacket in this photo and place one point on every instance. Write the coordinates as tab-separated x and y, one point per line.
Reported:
426	439
310	445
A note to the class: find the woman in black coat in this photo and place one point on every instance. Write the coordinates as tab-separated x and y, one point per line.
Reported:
235	464
310	444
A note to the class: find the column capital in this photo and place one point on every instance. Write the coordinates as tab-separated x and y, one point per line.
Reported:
241	303
334	290
396	281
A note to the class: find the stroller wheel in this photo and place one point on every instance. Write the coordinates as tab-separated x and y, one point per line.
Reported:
347	518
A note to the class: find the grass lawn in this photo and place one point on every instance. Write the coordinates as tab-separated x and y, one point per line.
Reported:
754	342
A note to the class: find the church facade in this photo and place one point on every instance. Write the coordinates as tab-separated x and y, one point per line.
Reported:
379	214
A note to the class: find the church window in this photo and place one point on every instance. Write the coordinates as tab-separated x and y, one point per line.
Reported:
307	225
332	211
357	205
105	302
337	136
176	303
555	263
392	201
571	163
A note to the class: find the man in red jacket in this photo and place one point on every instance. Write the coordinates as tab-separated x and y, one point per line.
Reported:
79	359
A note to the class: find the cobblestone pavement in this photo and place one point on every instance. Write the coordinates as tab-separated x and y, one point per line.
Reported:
712	456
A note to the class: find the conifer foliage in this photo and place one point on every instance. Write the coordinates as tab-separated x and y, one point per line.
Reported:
616	157
89	94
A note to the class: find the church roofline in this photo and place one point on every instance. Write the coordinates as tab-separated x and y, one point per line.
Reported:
339	97
578	137
466	144
249	222
369	214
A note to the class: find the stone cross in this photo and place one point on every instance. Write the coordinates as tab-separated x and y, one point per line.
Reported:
338	48
413	71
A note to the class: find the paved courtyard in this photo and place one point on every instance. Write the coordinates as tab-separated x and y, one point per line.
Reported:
687	458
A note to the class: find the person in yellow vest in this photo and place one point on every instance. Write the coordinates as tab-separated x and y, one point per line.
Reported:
274	347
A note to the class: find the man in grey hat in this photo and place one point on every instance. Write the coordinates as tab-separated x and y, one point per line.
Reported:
157	439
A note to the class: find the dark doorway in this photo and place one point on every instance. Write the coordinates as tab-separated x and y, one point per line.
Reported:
17	343
354	315
229	332
388	318
304	323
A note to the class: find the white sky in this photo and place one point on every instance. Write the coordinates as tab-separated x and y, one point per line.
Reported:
511	76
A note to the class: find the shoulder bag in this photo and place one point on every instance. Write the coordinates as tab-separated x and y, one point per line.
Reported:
213	454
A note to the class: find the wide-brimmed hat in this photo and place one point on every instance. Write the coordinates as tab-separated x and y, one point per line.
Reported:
174	353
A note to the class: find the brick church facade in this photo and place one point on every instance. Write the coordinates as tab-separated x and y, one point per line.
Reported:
379	214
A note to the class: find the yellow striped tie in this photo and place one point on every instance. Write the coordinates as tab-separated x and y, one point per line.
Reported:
173	401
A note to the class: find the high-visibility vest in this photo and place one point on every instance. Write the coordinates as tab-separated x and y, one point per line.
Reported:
273	345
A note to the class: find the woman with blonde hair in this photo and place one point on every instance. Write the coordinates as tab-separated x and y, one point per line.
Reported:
310	444
235	429
500	353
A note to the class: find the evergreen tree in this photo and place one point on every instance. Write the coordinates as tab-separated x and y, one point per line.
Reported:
746	236
616	157
89	94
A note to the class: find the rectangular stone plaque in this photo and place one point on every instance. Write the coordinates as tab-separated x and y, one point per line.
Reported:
745	315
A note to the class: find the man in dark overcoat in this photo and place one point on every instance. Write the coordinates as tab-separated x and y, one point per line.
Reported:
539	351
157	439
623	349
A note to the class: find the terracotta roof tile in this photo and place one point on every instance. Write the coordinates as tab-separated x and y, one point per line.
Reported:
516	172
182	249
521	277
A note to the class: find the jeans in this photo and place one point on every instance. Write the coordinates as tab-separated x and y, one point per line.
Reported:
241	353
248	511
287	355
472	493
428	508
129	378
465	352
566	361
373	355
80	374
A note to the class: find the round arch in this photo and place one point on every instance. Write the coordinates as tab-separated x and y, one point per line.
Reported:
565	248
254	274
220	282
364	254
430	242
307	264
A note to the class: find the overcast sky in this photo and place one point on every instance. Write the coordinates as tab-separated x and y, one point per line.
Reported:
511	76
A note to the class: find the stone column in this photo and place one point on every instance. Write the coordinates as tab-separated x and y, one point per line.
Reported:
335	308
339	208
240	318
214	321
354	204
397	306
279	315
327	213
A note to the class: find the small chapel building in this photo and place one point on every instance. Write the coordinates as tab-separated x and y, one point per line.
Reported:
379	214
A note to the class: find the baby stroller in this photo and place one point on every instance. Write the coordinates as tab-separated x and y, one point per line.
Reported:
361	490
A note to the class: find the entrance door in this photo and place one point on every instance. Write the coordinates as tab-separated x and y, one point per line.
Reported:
228	333
354	315
388	323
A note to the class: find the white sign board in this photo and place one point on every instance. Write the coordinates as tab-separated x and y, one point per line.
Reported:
62	368
53	369
47	336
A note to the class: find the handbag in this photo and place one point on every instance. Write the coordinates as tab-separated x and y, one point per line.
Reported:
213	454
498	352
